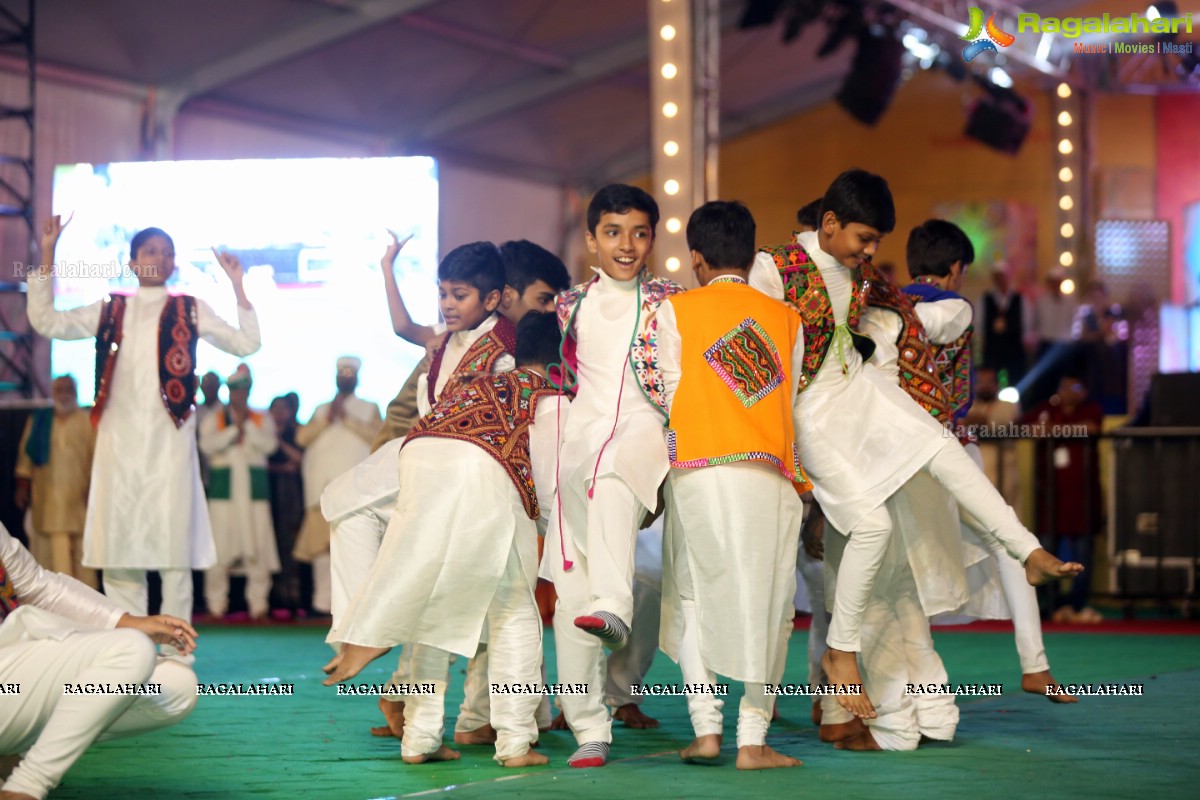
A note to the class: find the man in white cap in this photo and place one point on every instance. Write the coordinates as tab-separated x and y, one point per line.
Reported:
237	441
336	438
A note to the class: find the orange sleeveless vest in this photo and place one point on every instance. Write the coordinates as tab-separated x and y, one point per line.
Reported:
734	400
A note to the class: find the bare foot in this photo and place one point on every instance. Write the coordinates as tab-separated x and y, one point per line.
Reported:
763	757
530	759
559	723
393	713
485	734
350	662
842	668
702	749
443	753
816	712
1039	682
1041	567
863	741
841	731
631	714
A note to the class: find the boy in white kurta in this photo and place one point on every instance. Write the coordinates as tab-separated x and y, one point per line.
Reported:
237	441
861	437
613	457
146	510
726	354
54	632
460	554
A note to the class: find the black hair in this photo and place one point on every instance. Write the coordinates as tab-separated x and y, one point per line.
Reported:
809	216
621	198
538	338
860	196
478	264
143	236
934	246
525	263
723	233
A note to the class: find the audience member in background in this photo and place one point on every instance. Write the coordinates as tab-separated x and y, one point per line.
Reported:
210	387
1050	338
237	441
1101	329
287	503
54	470
1006	320
337	437
989	418
1067	470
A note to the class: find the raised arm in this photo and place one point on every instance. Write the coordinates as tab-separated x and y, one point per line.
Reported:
75	323
243	340
402	322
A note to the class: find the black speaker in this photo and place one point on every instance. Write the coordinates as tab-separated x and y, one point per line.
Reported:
1000	119
874	76
1175	400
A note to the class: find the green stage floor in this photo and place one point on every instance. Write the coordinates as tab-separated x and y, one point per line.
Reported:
315	744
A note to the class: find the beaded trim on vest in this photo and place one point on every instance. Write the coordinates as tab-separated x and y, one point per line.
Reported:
953	359
481	357
914	354
178	335
805	289
493	413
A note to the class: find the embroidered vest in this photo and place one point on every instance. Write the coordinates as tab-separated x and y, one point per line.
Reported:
734	399
915	355
643	352
8	594
493	412
952	360
805	289
178	335
480	357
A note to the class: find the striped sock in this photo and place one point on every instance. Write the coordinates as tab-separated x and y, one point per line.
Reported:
591	754
605	626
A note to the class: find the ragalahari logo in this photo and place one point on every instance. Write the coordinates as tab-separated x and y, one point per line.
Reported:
994	36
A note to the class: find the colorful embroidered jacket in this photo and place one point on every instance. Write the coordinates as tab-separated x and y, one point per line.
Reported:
8	595
734	399
643	352
914	354
178	334
493	412
804	288
480	357
953	360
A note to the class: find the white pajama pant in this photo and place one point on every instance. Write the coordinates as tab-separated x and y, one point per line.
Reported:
128	589
600	579
868	541
56	728
885	659
628	667
812	572
1020	596
756	708
514	657
258	590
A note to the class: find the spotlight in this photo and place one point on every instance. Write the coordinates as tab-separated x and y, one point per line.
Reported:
1064	118
1009	394
667	32
1066	203
1065	175
1067	230
673	225
671	147
1000	78
673	264
1067	286
1066	259
1064	91
1065	147
669	71
671	186
670	110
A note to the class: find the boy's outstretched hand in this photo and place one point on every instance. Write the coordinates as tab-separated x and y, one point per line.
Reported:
231	264
393	249
51	230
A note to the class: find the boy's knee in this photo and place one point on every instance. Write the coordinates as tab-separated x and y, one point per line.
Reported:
178	682
136	652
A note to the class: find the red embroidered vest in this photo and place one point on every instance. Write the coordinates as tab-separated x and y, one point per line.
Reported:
493	412
8	594
804	288
178	335
480	357
915	355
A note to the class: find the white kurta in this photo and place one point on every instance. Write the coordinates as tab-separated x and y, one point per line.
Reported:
146	509
860	435
335	448
608	394
740	525
242	527
458	517
456	347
